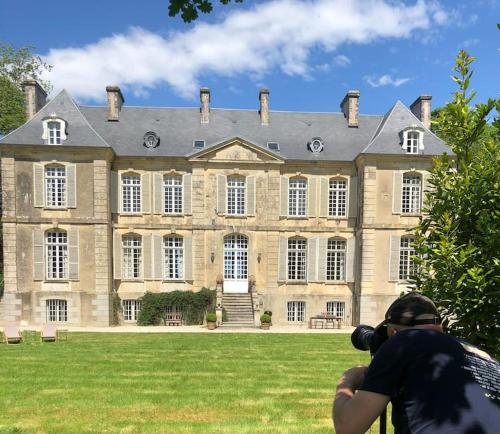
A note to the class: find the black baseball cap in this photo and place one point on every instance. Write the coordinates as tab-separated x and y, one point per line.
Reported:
412	309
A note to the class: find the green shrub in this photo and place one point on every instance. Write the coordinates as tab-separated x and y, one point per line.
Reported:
265	318
211	317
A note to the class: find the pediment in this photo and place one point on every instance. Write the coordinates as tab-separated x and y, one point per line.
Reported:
237	150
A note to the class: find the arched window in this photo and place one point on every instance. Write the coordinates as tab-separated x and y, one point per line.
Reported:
297	197
336	259
55	186
173	194
297	258
132	256
236	192
406	262
337	197
235	257
56	247
411	193
131	193
173	246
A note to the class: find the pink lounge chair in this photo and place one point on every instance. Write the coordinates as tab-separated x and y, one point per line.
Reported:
49	333
12	335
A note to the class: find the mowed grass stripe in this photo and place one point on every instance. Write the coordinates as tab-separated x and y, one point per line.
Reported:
173	383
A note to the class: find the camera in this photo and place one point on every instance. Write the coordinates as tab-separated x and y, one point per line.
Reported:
365	337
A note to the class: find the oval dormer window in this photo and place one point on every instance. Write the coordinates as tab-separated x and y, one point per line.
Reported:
151	139
316	145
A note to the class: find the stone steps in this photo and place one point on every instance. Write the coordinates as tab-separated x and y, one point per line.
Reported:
239	310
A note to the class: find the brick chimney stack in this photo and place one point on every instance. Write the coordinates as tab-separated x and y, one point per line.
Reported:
34	96
115	102
421	108
264	106
350	108
205	105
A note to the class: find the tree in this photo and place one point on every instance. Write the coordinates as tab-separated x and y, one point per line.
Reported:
189	8
457	242
15	67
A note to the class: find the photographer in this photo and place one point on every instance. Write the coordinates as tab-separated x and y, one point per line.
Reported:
435	383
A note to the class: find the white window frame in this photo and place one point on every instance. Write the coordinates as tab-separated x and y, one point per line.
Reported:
235	257
337	197
411	193
56	254
132	256
297	259
56	310
51	135
413	141
406	262
336	258
131	193
173	194
296	311
55	181
131	309
297	197
173	257
236	195
336	308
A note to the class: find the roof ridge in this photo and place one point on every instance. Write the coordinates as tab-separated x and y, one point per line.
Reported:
381	126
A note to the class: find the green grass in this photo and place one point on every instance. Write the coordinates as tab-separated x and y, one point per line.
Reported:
173	383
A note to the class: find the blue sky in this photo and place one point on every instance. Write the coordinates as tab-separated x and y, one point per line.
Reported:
308	53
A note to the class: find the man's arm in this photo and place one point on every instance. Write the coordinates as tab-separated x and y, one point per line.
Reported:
354	413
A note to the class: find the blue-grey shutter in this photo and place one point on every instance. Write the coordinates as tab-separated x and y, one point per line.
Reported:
353	197
146	257
38	255
312	197
397	192
71	185
187	193
250	195
322	244
284	196
73	253
324	197
350	259
145	193
38	185
188	258
221	194
158	257
394	258
158	193
283	260
312	257
114	193
117	256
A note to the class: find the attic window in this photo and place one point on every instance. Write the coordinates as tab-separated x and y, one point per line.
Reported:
273	146
412	141
54	130
199	144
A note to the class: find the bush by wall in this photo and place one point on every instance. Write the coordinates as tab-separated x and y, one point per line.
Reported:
193	305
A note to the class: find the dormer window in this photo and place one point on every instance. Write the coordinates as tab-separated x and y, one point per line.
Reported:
54	133
54	130
199	144
412	141
273	146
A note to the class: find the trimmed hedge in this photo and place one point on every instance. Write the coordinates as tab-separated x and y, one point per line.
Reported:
193	305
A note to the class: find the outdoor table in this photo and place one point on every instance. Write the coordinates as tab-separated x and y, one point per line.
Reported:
324	321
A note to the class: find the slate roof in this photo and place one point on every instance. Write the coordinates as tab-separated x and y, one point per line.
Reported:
179	127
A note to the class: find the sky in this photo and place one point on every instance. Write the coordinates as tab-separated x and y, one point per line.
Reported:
308	53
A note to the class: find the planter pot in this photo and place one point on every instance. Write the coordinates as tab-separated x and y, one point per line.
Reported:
211	325
265	326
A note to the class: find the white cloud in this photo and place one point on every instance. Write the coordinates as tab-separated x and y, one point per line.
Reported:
270	36
342	60
385	80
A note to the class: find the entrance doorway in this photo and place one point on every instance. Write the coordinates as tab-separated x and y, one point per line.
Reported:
235	263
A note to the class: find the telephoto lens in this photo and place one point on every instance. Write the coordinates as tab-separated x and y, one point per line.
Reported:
362	337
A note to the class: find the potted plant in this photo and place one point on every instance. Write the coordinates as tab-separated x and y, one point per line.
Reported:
265	321
211	321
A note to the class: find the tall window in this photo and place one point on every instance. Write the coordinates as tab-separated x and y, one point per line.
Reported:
297	248
55	186
235	257
236	195
56	310
297	197
131	309
296	310
337	198
411	197
335	260
406	262
131	193
174	257
132	256
336	308
173	194
54	129
57	254
412	139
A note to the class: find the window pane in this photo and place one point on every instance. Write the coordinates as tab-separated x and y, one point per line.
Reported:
132	256
336	308
55	186
235	257
236	195
131	193
173	194
174	257
337	204
56	244
296	310
335	260
56	310
297	197
297	260
406	262
411	194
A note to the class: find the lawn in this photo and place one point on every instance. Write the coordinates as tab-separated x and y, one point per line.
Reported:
173	383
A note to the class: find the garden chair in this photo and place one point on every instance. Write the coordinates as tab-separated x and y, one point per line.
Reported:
12	334
49	333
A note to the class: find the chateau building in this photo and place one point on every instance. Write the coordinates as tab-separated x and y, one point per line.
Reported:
303	213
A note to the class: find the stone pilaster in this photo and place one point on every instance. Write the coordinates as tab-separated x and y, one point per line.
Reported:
8	187
101	306
101	197
10	303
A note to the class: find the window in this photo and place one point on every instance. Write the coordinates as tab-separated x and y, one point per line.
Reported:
335	260
131	193
236	195
173	194
411	196
336	308
55	186
54	130
174	257
132	256
56	310
57	255
297	248
131	309
273	146
412	142
199	144
297	197
406	262
235	257
296	310
337	198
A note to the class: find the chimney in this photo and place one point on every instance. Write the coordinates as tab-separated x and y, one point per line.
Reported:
350	108
264	106
205	105
421	108
35	97
115	102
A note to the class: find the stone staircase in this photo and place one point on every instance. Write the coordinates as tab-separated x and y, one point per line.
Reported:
239	310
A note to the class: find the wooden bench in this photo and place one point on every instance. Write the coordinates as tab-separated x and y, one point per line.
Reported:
173	319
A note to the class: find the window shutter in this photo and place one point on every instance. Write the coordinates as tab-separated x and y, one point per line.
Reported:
394	258
312	197
221	194
283	260
38	255
117	256
187	193
73	253
38	185
250	195
145	193
146	256
323	205
312	271
420	141
71	186
350	259
158	257
115	194
353	197
396	192
426	187
322	242
405	141
284	196
158	193
188	258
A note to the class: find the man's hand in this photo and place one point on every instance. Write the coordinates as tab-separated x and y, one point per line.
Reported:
352	378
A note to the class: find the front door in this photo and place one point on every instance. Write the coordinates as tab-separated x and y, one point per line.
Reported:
235	263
